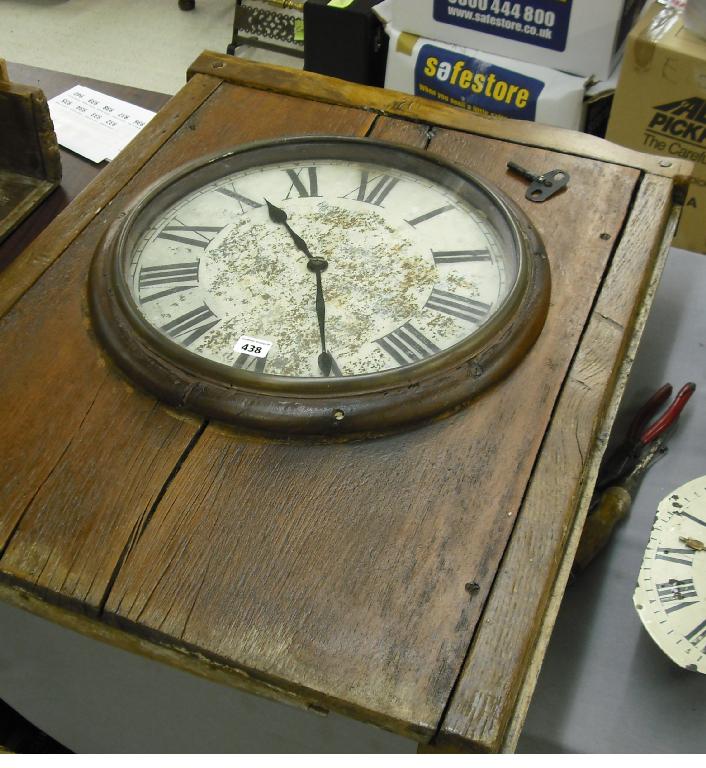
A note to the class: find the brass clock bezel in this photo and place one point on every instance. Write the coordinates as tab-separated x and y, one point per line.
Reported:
361	404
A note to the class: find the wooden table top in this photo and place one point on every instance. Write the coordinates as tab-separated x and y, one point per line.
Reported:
346	586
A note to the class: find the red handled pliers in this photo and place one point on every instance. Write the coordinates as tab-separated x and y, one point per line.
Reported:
644	432
621	473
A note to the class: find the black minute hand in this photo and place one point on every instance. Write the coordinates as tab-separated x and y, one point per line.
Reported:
317	265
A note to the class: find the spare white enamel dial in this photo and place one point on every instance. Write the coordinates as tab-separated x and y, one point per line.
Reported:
670	596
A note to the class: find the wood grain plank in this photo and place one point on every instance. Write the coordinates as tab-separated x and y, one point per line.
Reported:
401	132
395	103
93	627
516	723
84	454
341	570
485	697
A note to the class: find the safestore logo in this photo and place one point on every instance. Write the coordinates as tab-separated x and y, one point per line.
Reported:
679	128
466	81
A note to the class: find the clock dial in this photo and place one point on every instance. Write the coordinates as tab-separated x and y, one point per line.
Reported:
319	284
412	268
670	596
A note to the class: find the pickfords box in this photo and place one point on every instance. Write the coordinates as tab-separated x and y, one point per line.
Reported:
660	106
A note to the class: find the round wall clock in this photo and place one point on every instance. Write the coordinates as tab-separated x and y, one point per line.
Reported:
319	285
670	596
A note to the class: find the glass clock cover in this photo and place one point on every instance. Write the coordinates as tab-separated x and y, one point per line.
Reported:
321	268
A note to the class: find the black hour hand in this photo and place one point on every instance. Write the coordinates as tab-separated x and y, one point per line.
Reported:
279	216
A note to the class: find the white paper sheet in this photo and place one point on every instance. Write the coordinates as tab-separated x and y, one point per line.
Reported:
95	125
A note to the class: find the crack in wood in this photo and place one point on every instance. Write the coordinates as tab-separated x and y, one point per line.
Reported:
613	323
47	478
143	521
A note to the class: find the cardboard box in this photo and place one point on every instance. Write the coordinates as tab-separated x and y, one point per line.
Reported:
583	37
483	82
660	106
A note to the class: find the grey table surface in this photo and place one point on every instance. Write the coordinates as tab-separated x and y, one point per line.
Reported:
605	686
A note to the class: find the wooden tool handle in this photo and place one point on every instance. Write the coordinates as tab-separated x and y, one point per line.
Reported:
614	506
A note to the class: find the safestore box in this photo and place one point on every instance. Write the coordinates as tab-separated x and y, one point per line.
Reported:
660	106
583	37
482	82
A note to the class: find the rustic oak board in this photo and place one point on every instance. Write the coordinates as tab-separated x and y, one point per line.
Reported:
379	563
332	91
337	575
48	338
484	698
592	466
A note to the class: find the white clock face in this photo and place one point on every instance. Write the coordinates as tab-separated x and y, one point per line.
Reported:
412	269
670	596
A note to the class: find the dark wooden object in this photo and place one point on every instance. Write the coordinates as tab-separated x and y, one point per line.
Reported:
77	172
411	580
30	167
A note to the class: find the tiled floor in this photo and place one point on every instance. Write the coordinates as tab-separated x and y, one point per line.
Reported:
145	44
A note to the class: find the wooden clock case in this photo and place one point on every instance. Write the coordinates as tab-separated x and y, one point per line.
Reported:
410	581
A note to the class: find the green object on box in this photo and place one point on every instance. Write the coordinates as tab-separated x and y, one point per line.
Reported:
299	30
340	3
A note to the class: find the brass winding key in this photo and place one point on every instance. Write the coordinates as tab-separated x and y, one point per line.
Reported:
541	187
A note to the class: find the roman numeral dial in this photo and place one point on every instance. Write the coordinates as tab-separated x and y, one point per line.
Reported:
167	279
462	307
670	595
304	182
412	269
191	326
193	236
373	189
323	285
407	345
